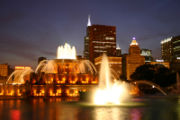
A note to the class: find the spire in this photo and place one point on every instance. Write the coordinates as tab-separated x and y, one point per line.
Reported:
133	41
89	21
118	47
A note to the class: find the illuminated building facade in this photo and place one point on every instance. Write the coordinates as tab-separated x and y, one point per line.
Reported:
99	39
176	47
166	64
115	64
166	49
147	55
21	67
132	60
5	70
118	51
170	49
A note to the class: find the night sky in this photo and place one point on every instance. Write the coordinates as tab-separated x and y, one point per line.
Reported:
30	29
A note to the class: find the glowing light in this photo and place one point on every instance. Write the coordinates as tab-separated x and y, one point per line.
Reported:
66	52
109	92
159	60
72	92
118	47
22	67
89	20
134	42
166	40
2	92
113	95
178	58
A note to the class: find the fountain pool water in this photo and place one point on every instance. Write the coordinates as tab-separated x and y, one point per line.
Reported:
110	91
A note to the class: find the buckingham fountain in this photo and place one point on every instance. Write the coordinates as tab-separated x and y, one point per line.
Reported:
62	77
68	77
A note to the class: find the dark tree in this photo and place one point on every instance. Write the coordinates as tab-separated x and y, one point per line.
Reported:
41	59
158	74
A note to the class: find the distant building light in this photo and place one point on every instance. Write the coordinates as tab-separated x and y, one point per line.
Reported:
133	42
178	58
22	67
159	60
145	53
118	47
166	40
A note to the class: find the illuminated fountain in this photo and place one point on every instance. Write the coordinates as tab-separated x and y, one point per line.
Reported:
15	85
64	76
110	91
19	77
66	52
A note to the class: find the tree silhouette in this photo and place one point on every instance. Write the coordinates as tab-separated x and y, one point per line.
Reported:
157	73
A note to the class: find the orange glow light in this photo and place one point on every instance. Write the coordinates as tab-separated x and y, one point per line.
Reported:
2	92
22	67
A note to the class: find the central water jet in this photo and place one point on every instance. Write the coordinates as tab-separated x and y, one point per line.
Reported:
110	91
66	52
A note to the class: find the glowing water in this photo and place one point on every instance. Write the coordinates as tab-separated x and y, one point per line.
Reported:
66	52
104	75
85	66
109	92
17	77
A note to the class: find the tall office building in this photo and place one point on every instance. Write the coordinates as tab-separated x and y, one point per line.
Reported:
99	39
132	60
170	51
170	48
166	49
118	51
176	47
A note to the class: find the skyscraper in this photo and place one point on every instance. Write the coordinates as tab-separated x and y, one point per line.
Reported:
133	59
99	39
170	48
176	47
166	49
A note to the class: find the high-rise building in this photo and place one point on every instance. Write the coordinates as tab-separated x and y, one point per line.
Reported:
132	60
166	49
118	51
5	70
99	39
147	55
170	48
176	47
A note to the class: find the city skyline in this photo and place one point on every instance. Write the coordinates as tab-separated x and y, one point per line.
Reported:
33	29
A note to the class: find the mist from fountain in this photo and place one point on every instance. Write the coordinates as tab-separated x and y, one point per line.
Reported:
109	91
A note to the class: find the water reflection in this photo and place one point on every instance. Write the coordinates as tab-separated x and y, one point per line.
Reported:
57	109
15	114
116	113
